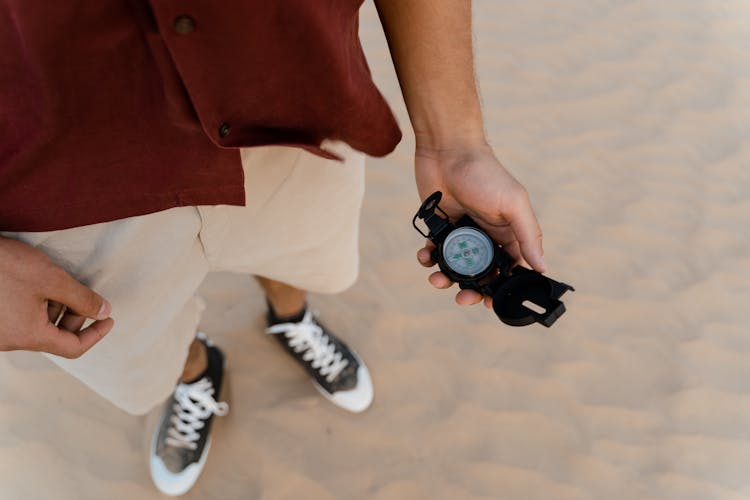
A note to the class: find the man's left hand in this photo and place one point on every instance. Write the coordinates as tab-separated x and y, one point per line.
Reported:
474	182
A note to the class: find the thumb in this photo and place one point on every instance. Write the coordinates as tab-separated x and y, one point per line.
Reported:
78	297
528	233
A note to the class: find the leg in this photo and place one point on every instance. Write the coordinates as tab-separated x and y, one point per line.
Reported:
300	227
285	300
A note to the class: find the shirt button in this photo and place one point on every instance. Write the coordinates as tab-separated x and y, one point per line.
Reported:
184	25
224	130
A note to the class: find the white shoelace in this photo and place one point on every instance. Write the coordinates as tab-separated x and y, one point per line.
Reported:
308	338
195	403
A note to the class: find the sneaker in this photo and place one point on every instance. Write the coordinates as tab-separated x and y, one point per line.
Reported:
181	442
336	370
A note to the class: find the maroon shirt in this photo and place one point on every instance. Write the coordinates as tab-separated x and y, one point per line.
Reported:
115	108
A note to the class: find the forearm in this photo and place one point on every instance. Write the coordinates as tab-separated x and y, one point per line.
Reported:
431	46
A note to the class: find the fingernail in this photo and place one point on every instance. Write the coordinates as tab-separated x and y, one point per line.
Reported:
102	314
542	264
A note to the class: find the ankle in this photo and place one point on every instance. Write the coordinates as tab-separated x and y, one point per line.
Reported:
286	315
286	299
287	307
196	363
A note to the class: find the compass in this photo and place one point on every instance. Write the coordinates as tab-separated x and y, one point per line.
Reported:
467	255
468	252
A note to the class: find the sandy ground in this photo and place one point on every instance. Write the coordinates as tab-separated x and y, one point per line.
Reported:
627	122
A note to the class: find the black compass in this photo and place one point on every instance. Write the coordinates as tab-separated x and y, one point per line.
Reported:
467	255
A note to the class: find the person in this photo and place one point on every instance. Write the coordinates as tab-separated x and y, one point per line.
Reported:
147	143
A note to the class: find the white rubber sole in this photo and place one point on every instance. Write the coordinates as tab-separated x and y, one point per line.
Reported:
176	484
355	400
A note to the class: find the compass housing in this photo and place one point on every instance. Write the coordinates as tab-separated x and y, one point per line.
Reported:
468	252
468	256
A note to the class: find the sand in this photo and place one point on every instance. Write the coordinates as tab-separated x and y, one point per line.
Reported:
628	123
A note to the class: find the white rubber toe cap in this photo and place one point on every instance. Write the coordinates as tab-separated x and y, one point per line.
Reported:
176	484
356	400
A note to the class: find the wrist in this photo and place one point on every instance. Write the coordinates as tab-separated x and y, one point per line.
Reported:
454	146
453	131
440	123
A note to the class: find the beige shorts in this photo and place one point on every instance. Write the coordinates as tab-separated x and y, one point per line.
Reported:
300	226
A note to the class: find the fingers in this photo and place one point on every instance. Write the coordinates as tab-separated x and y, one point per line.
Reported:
528	233
468	297
439	280
71	321
65	289
54	309
463	297
424	255
436	279
70	345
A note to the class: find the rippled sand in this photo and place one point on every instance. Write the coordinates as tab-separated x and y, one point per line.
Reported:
628	123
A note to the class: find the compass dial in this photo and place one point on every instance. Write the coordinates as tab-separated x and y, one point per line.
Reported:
468	251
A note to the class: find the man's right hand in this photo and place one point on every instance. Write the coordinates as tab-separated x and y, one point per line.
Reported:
33	292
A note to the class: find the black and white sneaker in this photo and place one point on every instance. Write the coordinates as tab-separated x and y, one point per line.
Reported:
336	370
181	442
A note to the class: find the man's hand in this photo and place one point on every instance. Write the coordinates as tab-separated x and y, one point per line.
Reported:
474	182
33	293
